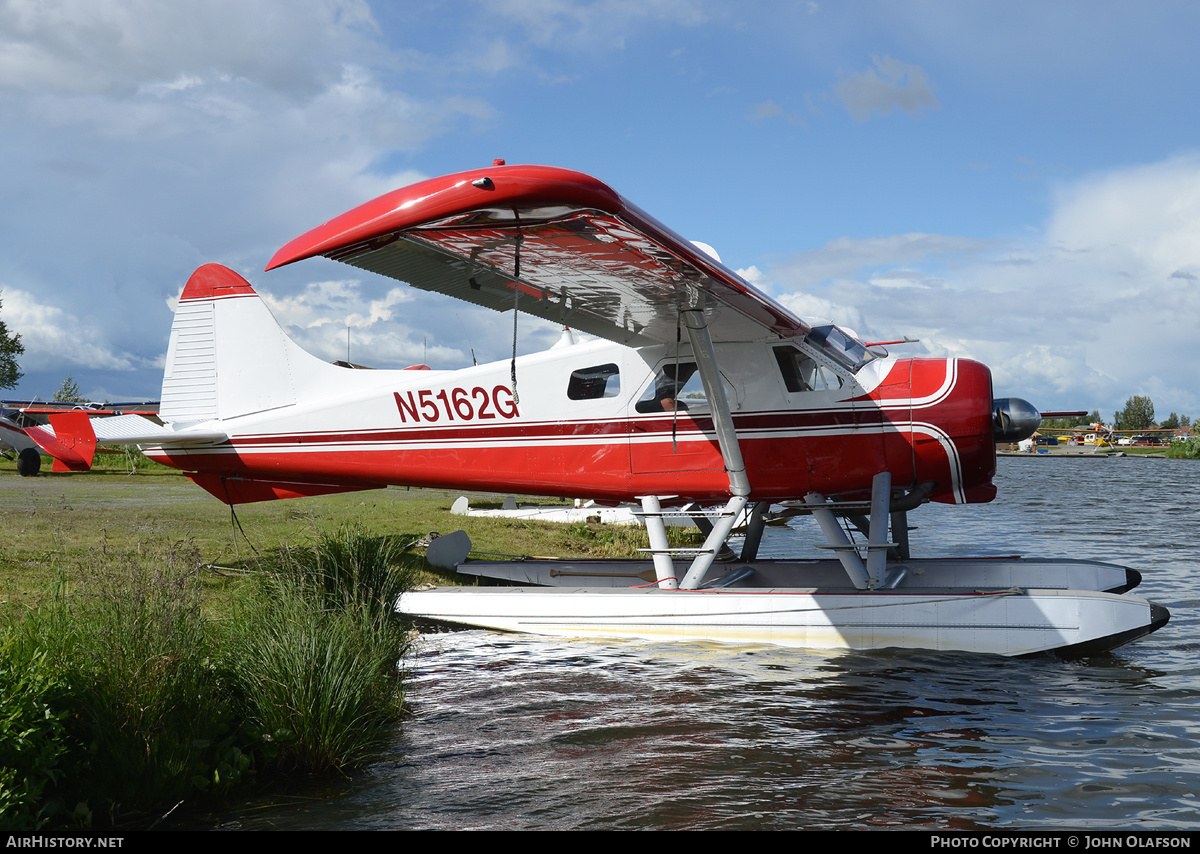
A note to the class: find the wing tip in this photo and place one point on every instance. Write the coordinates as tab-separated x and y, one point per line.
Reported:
449	195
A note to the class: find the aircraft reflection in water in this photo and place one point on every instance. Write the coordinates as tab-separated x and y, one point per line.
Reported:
700	390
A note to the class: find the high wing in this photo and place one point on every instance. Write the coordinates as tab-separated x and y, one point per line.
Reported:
552	242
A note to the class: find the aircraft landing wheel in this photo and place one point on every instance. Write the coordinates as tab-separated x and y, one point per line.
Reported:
29	463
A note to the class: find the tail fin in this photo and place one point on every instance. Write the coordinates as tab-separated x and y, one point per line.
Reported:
228	355
72	442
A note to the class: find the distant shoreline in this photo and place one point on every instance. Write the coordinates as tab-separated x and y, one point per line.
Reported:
1082	454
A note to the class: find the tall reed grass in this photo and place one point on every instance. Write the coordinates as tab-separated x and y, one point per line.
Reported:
118	696
315	649
33	737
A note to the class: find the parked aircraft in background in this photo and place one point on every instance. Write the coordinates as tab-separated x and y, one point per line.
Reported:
14	443
17	417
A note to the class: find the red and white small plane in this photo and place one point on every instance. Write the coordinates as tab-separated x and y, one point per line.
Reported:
25	441
15	442
698	389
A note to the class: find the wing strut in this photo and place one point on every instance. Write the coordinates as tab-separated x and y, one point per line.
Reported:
731	452
710	376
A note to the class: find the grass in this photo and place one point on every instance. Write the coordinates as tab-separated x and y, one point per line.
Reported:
33	736
122	698
314	646
53	520
137	684
148	657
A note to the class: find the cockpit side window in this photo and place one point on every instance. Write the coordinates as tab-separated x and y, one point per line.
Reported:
804	373
594	383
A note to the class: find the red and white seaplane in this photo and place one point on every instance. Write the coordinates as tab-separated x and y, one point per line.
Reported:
698	389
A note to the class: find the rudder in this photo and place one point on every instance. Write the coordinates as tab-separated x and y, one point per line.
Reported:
228	355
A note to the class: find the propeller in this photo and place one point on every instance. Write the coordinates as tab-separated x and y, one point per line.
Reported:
1014	419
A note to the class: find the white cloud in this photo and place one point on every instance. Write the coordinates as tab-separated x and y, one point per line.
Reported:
848	257
339	302
901	87
771	110
1102	304
53	337
810	308
148	138
113	47
399	328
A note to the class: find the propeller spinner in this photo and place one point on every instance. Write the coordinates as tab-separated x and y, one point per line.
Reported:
1014	419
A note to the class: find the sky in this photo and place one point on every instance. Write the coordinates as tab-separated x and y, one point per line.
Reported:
1017	183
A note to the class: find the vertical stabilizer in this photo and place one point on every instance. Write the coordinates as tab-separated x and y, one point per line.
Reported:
227	356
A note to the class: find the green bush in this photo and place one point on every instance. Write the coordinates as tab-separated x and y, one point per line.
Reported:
117	696
33	739
147	720
1188	449
349	568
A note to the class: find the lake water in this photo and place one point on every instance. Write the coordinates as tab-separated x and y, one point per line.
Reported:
514	732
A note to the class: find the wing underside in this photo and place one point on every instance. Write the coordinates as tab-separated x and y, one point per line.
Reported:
554	244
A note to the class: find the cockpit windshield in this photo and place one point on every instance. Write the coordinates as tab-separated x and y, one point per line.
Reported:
838	345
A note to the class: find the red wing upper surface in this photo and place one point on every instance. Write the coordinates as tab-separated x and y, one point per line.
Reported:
553	243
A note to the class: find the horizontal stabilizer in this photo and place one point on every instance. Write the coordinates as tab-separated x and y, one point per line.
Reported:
136	430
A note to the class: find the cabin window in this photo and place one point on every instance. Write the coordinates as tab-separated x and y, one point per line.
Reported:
804	373
672	390
594	383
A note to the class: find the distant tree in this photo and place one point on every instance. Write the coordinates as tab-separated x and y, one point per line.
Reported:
1057	423
1185	421
1170	422
10	348
68	392
1138	414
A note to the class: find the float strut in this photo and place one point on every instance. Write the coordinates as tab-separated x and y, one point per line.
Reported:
754	530
877	538
841	546
664	567
716	538
731	452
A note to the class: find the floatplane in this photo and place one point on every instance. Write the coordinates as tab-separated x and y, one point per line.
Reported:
696	389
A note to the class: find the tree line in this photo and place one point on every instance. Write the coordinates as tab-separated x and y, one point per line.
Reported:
1137	414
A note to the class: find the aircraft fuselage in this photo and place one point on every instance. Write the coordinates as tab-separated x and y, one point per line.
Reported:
605	421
